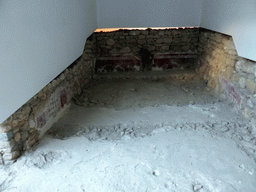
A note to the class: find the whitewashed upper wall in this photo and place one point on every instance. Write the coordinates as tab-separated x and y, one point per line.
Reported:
236	18
148	13
38	40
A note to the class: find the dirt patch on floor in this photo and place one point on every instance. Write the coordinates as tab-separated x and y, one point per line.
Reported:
139	135
132	93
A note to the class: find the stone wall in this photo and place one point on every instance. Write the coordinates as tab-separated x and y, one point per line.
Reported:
240	90
218	56
23	129
213	55
230	76
124	47
244	84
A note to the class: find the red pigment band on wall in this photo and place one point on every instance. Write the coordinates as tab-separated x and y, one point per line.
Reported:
116	63
231	91
55	103
176	60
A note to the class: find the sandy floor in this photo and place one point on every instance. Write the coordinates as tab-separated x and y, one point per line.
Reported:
141	136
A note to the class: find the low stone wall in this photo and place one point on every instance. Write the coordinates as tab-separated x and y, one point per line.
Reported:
167	48
23	129
213	55
240	89
130	41
232	77
218	56
243	83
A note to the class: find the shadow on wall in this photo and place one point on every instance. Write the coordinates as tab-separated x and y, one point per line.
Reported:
146	59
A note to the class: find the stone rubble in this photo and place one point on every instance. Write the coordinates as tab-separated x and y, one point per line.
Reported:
227	129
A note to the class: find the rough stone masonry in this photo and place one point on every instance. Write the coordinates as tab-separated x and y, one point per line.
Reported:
24	128
215	57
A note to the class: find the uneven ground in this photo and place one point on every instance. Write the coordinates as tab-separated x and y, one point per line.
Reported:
143	135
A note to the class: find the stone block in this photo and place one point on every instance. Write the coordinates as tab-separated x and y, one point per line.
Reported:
144	32
250	103
223	96
151	48
135	49
21	123
119	33
151	36
185	48
113	51
250	84
151	41
54	83
131	41
159	41
17	137
169	33
32	142
49	85
242	82
108	34
245	66
11	155
125	50
4	129
229	71
167	40
142	36
161	33
87	51
141	42
40	94
117	45
133	33
232	52
45	89
247	112
14	123
153	32
32	123
164	48
15	130
24	135
110	42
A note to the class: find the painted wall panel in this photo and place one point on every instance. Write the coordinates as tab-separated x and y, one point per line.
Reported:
236	18
38	40
148	13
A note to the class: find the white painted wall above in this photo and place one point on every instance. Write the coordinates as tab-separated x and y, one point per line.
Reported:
148	13
38	40
236	18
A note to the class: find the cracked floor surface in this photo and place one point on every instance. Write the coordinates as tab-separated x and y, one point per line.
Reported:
141	136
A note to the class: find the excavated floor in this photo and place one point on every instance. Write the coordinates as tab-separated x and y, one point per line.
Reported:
142	134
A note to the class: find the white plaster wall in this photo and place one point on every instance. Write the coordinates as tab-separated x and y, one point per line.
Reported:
148	13
38	40
236	18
